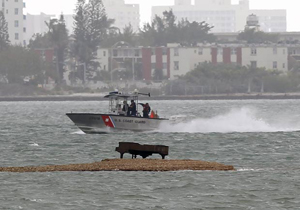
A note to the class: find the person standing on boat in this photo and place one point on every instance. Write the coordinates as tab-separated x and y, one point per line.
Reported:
146	110
132	108
125	108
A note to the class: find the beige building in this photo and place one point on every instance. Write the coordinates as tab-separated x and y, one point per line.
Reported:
266	56
185	59
224	16
13	12
124	14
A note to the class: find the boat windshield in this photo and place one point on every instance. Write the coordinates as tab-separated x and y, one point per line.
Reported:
117	101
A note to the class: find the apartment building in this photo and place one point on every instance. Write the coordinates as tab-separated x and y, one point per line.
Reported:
13	12
270	57
124	14
35	24
224	16
175	60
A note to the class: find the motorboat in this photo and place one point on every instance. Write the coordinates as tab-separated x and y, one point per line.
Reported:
119	116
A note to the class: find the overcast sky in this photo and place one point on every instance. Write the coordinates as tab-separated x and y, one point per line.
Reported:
68	6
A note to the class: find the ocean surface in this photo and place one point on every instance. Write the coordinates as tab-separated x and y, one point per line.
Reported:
260	138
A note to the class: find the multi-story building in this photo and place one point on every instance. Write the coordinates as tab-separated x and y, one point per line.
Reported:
176	60
13	12
124	14
35	24
270	57
224	16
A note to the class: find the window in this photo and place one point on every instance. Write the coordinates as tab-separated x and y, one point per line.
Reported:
153	65
176	65
16	11
220	51
165	65
283	65
104	53
275	65
275	50
153	51
164	51
16	36
16	0
233	51
115	53
253	64
136	53
200	51
253	51
176	52
24	30
16	23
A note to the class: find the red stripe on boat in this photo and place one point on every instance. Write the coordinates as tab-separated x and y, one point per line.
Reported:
107	121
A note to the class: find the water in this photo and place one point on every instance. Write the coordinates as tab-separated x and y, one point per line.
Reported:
259	138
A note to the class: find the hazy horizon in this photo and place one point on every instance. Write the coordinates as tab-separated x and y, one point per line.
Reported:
68	6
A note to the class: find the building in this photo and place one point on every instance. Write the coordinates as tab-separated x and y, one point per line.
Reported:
149	59
13	12
270	57
224	16
35	24
124	14
176	60
283	37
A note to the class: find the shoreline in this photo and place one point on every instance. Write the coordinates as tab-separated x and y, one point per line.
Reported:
98	97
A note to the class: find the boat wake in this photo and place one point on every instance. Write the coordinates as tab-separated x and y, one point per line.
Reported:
235	121
80	132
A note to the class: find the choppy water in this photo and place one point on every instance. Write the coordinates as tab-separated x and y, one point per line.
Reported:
260	138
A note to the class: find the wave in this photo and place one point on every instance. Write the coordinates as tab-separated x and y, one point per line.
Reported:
80	132
236	120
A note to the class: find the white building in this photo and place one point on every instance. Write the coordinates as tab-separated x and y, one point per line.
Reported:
185	59
13	12
35	24
124	14
266	56
224	16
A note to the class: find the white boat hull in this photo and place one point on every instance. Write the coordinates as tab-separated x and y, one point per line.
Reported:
100	123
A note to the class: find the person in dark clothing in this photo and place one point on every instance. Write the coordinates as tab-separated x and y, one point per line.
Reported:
132	108
146	110
125	108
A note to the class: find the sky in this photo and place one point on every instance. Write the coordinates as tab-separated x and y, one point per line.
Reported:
68	6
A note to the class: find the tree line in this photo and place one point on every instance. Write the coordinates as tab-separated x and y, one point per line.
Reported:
208	78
